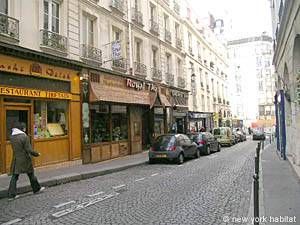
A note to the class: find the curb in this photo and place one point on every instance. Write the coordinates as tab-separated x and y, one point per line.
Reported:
71	177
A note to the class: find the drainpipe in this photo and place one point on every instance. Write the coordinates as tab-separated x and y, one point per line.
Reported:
277	121
283	125
131	69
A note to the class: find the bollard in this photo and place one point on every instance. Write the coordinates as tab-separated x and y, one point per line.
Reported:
258	150
256	191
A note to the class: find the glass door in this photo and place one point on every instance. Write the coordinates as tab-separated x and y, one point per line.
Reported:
13	114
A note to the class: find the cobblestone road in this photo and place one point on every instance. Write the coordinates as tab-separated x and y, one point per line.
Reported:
201	191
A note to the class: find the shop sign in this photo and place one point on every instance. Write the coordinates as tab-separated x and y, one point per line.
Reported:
199	115
26	67
25	92
140	85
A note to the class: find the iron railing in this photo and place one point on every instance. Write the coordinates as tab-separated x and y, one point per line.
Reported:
154	28
9	26
168	37
140	69
170	78
156	73
119	64
137	16
54	41
181	82
118	5
90	52
179	43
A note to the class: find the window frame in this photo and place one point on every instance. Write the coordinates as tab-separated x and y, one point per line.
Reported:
50	15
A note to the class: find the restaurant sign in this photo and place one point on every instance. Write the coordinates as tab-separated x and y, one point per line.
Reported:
140	85
33	93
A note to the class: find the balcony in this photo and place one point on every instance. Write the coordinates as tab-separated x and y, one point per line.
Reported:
168	37
170	78
181	82
156	74
9	27
140	69
54	41
179	43
176	7
117	6
119	64
91	53
154	28
137	17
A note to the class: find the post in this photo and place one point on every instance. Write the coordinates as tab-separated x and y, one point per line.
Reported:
256	186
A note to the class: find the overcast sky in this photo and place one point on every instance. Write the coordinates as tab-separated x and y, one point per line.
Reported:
245	17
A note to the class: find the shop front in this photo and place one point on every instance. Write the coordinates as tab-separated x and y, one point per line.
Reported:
46	99
119	116
179	112
199	121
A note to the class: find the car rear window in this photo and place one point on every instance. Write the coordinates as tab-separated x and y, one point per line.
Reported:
219	131
195	137
165	141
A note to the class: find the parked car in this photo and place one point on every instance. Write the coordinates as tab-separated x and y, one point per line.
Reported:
258	135
206	142
224	135
237	137
243	135
175	147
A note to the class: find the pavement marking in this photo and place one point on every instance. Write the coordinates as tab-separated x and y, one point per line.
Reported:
63	204
95	194
12	221
143	178
154	174
119	186
81	206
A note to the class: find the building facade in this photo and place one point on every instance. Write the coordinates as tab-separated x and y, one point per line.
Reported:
286	27
253	81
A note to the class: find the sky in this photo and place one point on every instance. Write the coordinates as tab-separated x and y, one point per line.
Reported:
242	18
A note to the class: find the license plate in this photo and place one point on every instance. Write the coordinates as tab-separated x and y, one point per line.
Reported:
161	156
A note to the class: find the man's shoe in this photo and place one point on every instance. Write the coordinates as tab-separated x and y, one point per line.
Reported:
13	198
41	190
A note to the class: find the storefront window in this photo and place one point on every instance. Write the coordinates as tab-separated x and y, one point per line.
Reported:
100	123
50	119
119	122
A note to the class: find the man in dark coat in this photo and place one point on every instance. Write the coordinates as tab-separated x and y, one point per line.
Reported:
22	162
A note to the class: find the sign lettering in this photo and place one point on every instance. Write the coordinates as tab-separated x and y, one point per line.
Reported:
139	85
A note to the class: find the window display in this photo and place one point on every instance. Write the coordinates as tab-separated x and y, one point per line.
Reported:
119	122
50	119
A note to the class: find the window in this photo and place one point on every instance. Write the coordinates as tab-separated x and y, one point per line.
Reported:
3	7
192	68
119	122
199	50
166	22
178	67
51	16
88	31
201	78
177	32
190	40
168	62
260	86
208	104
138	44
152	12
117	34
50	119
154	57
203	103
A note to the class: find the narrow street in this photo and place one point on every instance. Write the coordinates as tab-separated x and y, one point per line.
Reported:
201	191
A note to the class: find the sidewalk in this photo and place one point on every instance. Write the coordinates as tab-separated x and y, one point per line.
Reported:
281	188
52	175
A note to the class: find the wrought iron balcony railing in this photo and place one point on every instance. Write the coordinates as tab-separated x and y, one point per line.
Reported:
9	26
154	28
181	82
176	7
179	43
91	53
137	17
170	78
54	41
156	73
118	5
140	69
168	37
119	64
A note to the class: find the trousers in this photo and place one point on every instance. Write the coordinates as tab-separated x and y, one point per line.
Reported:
12	190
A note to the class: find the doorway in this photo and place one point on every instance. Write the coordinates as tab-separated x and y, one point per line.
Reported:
12	114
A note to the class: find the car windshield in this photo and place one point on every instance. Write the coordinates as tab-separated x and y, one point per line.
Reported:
219	131
165	140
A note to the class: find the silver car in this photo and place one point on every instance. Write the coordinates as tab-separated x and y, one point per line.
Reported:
175	147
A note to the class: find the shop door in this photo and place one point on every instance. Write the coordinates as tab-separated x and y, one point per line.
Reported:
13	114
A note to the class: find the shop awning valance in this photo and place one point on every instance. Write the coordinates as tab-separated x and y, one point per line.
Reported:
115	94
164	100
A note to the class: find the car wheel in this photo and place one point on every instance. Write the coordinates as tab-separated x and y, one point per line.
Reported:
207	150
180	159
219	148
197	154
151	161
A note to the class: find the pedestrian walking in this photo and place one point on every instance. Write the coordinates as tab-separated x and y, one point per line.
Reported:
22	160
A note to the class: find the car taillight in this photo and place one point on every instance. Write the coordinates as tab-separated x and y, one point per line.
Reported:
171	148
202	142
